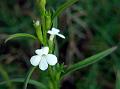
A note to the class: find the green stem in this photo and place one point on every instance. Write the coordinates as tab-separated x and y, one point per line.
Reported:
54	83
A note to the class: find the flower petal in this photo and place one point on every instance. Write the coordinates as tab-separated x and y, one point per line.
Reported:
45	50
50	32
51	59
35	60
55	30
39	51
42	51
62	36
43	64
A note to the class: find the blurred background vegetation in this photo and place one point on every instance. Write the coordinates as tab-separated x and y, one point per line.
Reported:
90	26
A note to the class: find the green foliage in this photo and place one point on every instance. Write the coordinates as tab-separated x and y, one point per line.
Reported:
5	75
28	77
94	22
64	6
21	80
20	35
88	61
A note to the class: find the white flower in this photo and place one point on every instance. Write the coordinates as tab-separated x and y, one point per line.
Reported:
43	58
54	32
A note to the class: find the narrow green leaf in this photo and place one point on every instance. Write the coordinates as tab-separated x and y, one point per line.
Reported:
88	61
19	35
63	7
4	74
28	77
21	80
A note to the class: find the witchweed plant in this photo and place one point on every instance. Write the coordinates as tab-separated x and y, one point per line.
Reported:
46	31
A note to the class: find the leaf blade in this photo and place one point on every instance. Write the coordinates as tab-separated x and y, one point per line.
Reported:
19	35
63	7
26	81
88	61
21	80
5	76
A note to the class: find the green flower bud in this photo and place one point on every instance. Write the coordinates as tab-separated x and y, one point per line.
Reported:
38	30
48	20
42	6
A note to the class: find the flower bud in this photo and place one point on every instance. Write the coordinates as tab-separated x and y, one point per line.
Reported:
42	6
48	21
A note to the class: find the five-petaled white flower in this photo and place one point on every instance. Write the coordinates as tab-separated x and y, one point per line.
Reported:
54	32
43	58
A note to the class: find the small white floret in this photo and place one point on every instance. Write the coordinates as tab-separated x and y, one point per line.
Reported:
43	58
54	32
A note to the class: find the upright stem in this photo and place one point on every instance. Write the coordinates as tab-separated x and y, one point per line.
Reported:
53	83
